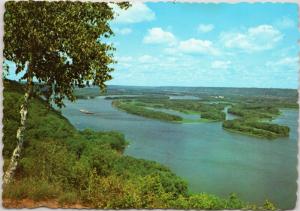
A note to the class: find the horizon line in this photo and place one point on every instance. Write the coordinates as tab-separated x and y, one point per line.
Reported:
203	86
152	86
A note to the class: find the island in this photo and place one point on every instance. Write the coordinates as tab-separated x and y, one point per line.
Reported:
255	120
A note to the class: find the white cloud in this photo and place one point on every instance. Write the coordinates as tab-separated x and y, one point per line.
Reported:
262	37
171	51
123	31
147	59
220	64
124	61
159	36
285	23
124	58
161	69
197	46
289	62
204	28
138	12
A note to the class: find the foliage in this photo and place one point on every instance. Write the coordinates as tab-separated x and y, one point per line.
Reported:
60	43
269	205
60	158
262	129
142	111
138	106
32	188
114	139
213	111
213	115
254	110
251	122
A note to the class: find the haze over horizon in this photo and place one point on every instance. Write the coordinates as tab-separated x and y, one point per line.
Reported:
206	45
234	87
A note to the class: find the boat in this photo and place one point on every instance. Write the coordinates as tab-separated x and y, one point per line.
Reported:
85	111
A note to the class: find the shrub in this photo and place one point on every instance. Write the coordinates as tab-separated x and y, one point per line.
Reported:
32	188
68	198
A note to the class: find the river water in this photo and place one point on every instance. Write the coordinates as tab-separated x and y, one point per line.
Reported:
209	158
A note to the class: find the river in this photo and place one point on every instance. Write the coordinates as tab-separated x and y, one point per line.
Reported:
209	158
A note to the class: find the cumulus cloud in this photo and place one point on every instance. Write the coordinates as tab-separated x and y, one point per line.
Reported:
160	69
147	59
124	58
124	61
259	38
204	28
220	64
285	23
290	62
171	51
159	36
123	31
138	12
198	46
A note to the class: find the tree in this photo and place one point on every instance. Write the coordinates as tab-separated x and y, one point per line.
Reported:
59	45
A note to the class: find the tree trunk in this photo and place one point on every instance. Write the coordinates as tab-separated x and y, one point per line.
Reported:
9	174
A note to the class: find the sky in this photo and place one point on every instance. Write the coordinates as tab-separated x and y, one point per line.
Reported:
212	45
205	45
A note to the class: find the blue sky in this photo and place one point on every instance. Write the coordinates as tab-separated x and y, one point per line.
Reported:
214	45
193	44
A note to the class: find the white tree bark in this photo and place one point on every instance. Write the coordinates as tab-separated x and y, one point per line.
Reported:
9	174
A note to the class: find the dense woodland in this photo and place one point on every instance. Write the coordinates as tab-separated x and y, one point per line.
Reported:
68	166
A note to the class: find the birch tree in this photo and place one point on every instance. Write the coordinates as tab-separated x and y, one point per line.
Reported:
59	45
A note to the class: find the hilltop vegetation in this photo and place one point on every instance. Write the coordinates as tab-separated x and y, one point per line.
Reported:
68	166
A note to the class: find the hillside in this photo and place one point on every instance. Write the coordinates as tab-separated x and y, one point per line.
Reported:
87	168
